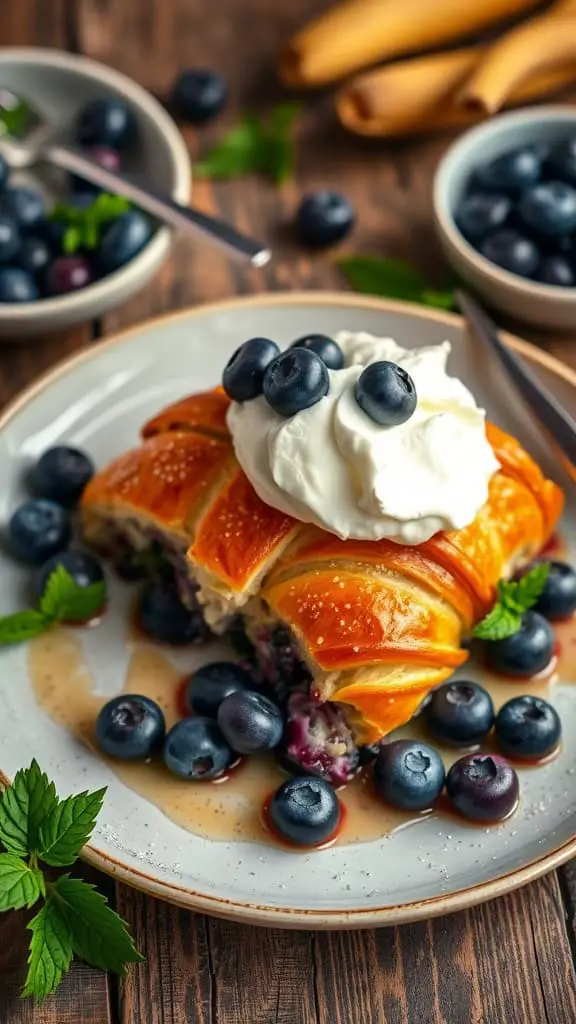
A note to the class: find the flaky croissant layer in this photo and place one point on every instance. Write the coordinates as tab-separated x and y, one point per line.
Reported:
378	624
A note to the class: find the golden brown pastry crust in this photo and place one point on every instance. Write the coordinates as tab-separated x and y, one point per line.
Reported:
378	623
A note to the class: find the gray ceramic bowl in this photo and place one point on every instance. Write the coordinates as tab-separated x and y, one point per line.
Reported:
537	304
58	85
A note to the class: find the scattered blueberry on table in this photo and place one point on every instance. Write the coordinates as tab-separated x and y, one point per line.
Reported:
250	722
324	218
82	566
519	211
39	529
163	617
198	95
209	686
61	474
558	598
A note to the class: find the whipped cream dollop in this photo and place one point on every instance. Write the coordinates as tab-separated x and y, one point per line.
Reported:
333	466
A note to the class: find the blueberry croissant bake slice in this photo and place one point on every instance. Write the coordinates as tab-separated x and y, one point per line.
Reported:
374	625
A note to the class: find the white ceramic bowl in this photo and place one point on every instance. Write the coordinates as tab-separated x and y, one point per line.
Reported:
58	85
538	304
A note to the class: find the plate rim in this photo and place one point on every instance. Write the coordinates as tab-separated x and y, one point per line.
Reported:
254	913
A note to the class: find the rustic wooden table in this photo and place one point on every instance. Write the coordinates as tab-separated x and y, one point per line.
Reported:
508	962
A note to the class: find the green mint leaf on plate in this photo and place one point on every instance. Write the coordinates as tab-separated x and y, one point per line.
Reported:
525	592
20	884
69	827
50	951
23	807
22	626
514	598
393	279
99	936
498	624
256	145
64	601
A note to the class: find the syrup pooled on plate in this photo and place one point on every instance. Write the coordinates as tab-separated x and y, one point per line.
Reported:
231	808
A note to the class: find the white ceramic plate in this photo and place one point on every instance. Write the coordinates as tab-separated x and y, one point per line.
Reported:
98	400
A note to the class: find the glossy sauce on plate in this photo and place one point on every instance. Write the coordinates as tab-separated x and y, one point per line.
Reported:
231	808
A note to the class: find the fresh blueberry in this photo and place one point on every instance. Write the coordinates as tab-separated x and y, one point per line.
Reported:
82	566
511	251
34	255
305	811
558	599
68	274
17	285
459	713
10	239
4	171
243	375
526	652
250	722
409	775
324	218
38	530
528	727
386	393
318	740
61	474
199	94
556	270
105	122
512	171
211	684
25	205
196	749
483	787
562	160
482	212
549	208
123	240
105	157
163	617
330	353
130	727
295	380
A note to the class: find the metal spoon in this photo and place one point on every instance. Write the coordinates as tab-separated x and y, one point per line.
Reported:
33	141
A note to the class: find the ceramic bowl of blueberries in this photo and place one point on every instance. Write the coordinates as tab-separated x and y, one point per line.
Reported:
69	253
505	209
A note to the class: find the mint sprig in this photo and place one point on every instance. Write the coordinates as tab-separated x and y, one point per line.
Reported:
84	226
62	600
255	146
514	598
393	279
37	827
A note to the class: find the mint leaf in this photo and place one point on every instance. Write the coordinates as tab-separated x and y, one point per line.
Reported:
524	593
99	935
72	240
20	885
23	807
393	279
50	951
255	146
69	827
63	600
498	624
22	626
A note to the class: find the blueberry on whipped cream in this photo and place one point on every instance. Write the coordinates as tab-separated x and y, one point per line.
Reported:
386	393
328	463
295	380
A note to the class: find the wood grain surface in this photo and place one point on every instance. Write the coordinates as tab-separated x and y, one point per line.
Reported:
508	962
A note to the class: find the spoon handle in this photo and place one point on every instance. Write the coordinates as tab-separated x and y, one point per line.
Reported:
161	206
